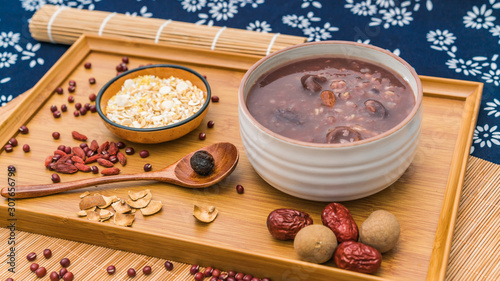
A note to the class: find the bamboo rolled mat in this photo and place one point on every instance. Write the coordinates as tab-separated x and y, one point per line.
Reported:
474	253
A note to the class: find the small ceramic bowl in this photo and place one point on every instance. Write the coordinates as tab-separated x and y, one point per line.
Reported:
331	172
158	134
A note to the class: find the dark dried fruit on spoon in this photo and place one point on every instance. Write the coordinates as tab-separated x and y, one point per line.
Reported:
202	162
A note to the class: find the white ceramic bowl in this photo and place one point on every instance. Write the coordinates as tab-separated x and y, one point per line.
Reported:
331	172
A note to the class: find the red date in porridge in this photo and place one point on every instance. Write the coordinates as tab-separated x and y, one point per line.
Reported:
330	100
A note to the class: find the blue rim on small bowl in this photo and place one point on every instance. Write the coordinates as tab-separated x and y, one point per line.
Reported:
201	111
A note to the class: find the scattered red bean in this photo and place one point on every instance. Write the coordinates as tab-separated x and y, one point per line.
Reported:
199	276
255	279
59	90
92	97
215	99
55	178
131	272
94	169
129	150
71	89
76	113
54	276
231	273
202	136
83	145
111	269
210	124
124	67
247	277
62	271
93	108
57	114
31	256
216	273
120	145
147	270
24	130
65	262
72	83
239	276
47	253
125	60
147	167
13	142
67	149
169	266
214	278
113	159
83	111
68	276
90	153
8	148
53	108
87	65
208	271
71	99
119	68
92	80
78	106
34	267
144	153
231	279
64	108
87	106
40	272
240	189
61	147
194	269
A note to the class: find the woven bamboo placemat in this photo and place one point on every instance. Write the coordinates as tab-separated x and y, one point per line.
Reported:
474	253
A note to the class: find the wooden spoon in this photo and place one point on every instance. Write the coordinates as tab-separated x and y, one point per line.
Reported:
180	173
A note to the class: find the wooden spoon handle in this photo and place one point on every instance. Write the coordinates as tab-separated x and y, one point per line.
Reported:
30	191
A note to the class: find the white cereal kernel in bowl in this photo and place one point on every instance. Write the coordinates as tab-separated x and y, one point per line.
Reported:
149	102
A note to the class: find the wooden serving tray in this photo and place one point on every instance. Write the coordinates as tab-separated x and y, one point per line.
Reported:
425	199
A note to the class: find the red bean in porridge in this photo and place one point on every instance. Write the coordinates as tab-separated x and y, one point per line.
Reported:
330	100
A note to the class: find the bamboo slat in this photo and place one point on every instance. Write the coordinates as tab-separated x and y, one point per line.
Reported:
58	24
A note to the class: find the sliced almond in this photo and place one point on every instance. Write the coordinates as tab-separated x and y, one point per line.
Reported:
86	193
93	216
105	215
140	203
108	201
205	213
152	208
120	207
138	195
91	201
124	219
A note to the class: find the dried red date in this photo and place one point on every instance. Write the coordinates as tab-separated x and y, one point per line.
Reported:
283	224
328	98
312	83
357	257
338	218
342	134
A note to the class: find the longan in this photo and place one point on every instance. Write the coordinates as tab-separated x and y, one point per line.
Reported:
315	243
380	230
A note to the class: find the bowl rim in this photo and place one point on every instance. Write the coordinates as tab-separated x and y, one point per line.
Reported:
170	126
418	96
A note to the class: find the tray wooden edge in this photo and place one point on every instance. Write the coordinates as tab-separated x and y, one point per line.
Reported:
21	111
470	93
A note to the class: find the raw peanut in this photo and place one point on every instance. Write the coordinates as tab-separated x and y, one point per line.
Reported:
105	163
77	159
113	149
59	152
110	171
92	159
338	218
357	257
65	168
82	167
328	98
78	136
94	145
103	147
78	151
122	158
283	224
48	160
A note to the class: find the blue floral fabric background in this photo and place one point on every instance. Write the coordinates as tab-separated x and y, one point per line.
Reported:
451	39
